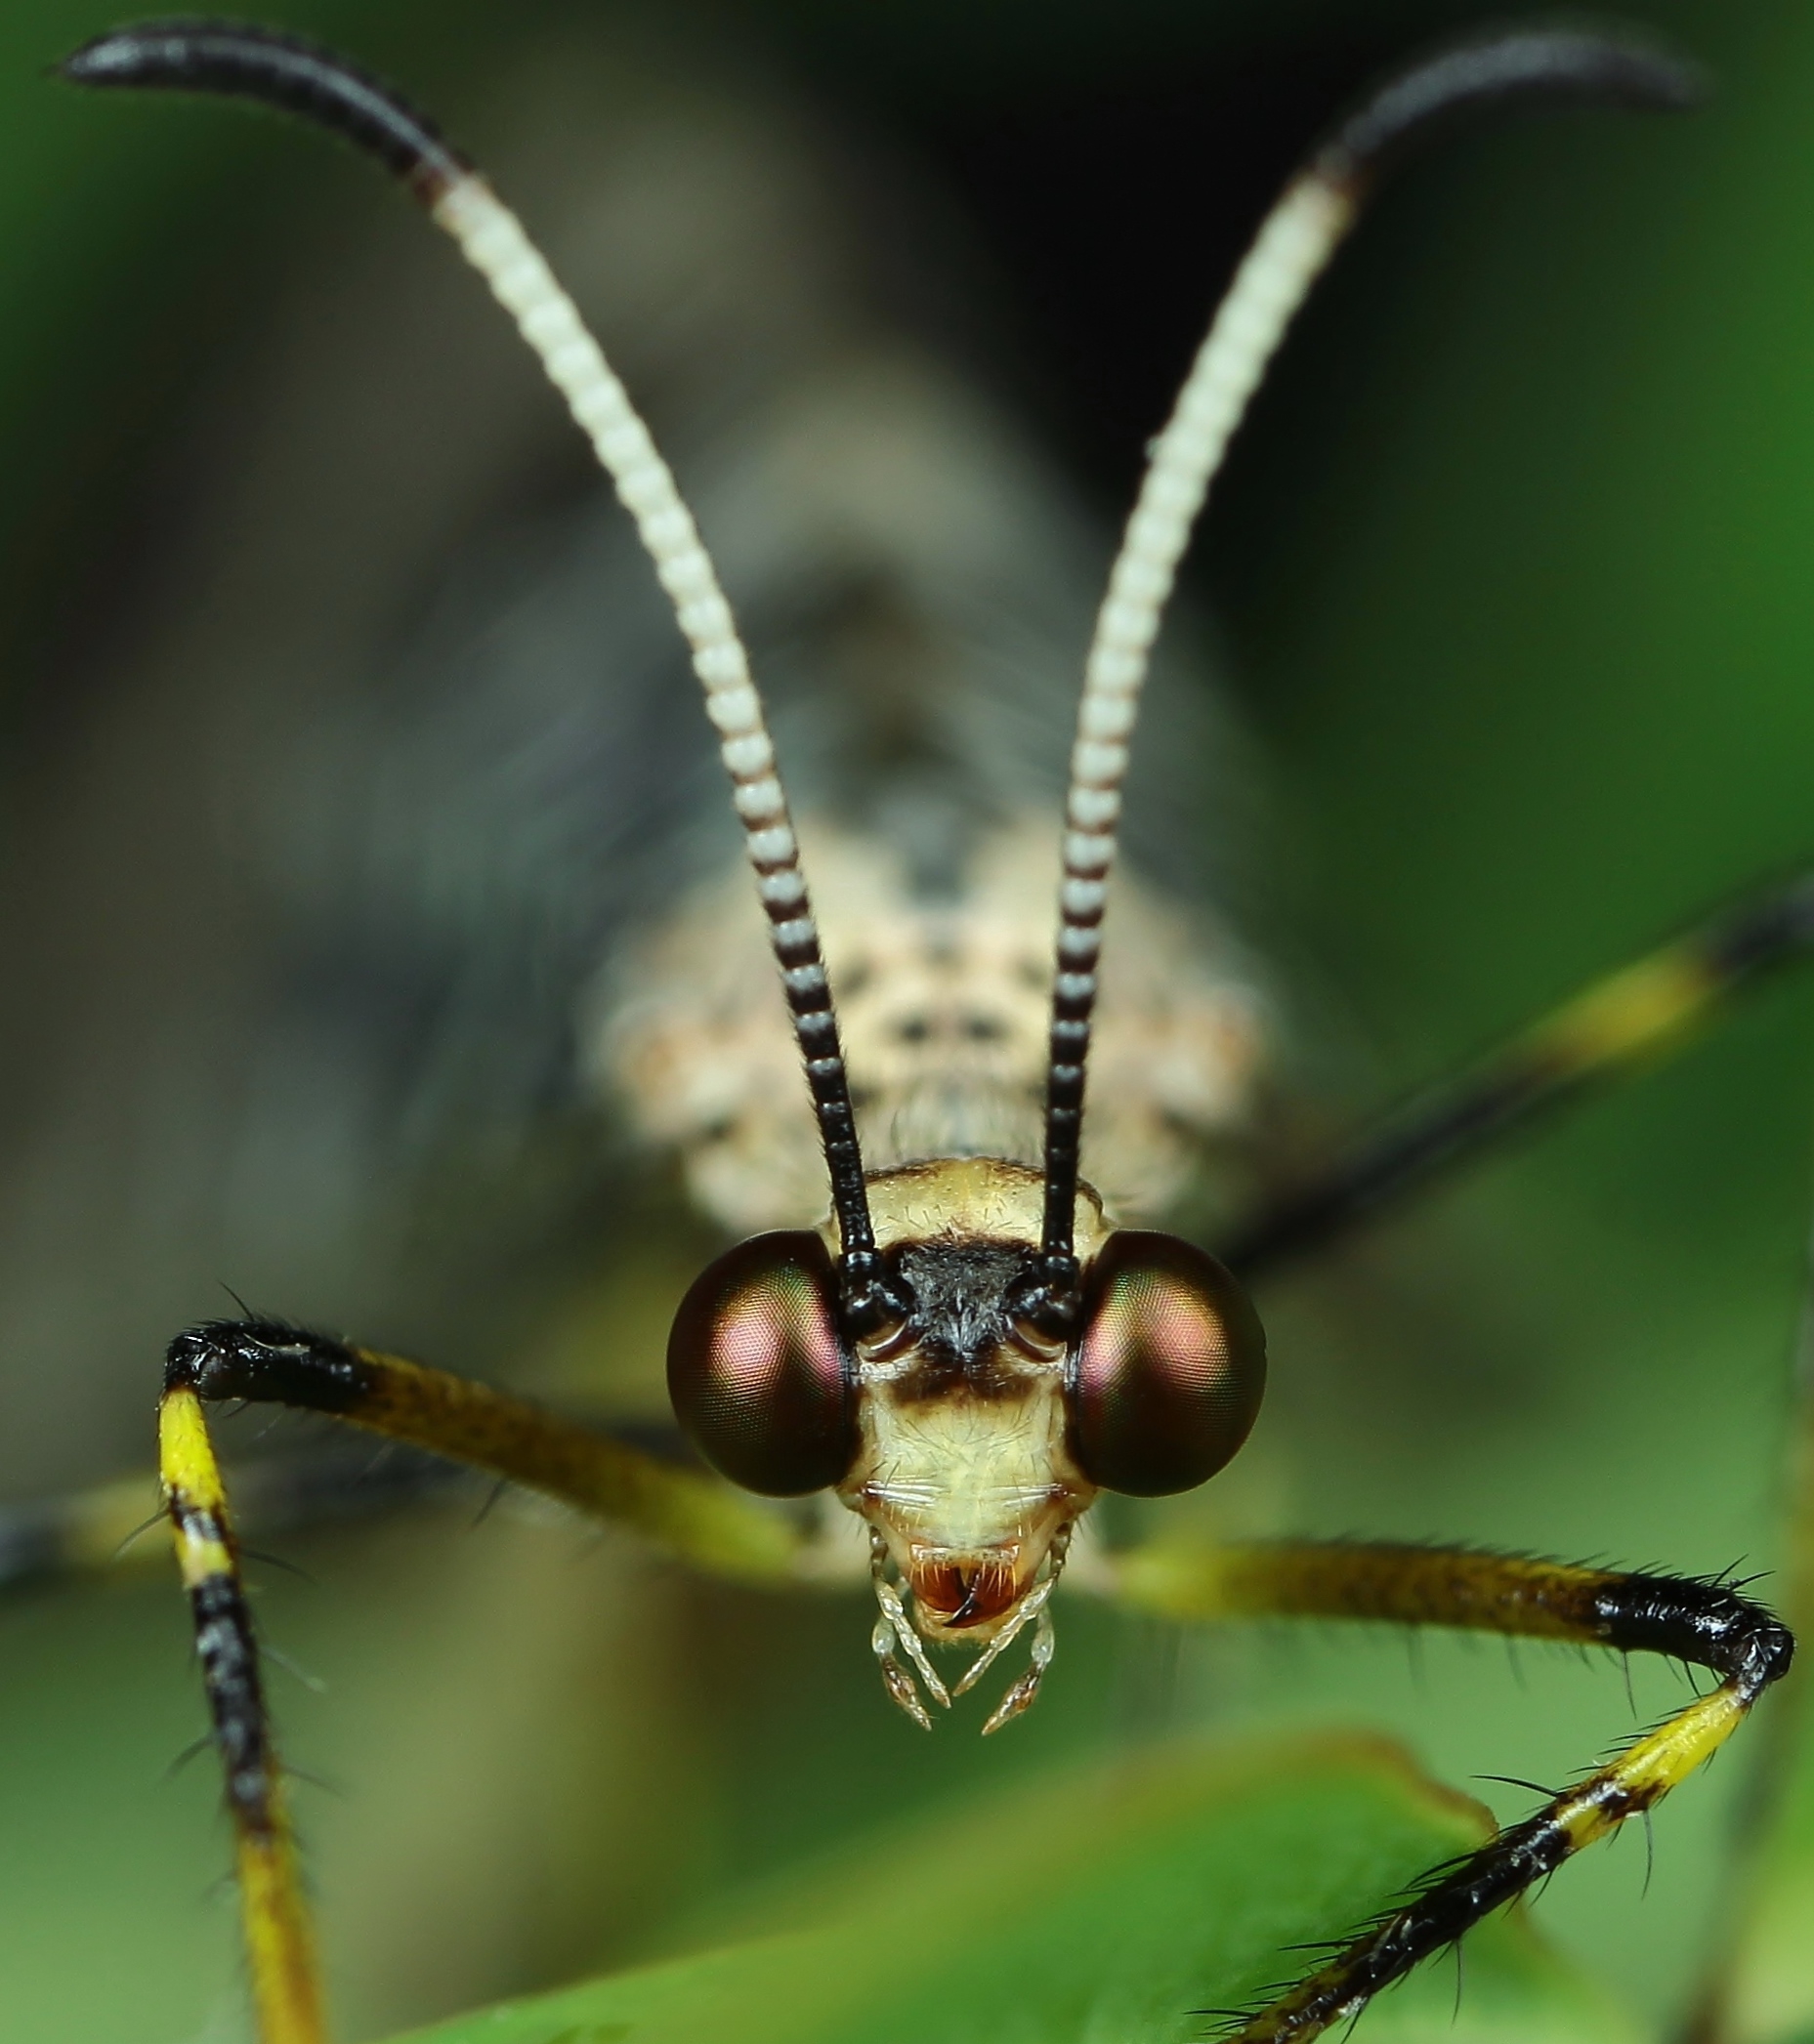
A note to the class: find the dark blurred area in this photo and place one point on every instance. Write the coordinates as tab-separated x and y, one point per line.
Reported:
344	736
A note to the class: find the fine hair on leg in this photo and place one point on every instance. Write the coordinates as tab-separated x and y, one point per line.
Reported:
1703	1623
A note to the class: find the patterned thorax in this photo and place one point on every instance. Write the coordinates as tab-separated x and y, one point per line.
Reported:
943	1002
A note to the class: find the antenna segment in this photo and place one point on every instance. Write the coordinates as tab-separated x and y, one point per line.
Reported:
1294	244
286	72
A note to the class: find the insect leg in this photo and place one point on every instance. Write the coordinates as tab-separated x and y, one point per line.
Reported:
1703	1623
1613	1026
696	1515
286	1983
701	1517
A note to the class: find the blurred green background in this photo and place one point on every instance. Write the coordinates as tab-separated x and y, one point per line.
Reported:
1510	569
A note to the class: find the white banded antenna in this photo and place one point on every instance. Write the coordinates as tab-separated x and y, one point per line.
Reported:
1294	244
283	71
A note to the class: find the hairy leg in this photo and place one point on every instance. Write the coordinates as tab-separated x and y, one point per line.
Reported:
1704	1623
696	1516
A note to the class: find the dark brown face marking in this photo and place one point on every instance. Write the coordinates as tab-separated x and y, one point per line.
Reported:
959	1295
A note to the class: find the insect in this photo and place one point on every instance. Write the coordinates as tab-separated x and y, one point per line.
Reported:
961	1314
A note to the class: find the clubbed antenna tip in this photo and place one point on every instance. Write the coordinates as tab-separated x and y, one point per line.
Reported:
1532	68
242	62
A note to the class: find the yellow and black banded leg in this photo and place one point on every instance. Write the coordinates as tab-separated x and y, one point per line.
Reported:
1703	1623
1617	1024
262	1362
286	1988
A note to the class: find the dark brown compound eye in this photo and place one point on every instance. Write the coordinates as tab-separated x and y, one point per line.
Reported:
1169	1369
757	1371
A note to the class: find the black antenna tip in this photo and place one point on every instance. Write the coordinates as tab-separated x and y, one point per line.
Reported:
1537	66
238	60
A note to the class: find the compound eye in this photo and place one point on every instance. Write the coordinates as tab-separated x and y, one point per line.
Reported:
1169	1369
757	1371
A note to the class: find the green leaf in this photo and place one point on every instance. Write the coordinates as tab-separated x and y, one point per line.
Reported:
1097	1909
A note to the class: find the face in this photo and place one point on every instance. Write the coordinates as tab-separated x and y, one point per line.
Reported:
969	1439
964	1465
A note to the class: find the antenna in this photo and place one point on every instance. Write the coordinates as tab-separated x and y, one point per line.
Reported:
291	74
1294	244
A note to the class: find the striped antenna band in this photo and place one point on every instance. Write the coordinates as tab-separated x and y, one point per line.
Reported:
1295	243
283	71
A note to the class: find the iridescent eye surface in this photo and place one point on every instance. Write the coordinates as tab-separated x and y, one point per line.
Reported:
1169	1369
757	1371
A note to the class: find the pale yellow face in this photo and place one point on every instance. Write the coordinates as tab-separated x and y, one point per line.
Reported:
969	1493
964	1472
